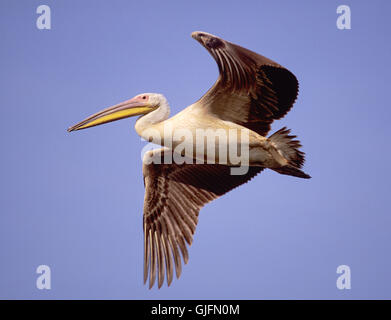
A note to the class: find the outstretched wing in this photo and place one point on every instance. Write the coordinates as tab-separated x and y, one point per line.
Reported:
251	90
174	195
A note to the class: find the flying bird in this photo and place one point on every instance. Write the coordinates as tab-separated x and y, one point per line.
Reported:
250	93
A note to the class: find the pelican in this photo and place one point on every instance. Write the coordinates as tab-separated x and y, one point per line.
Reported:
250	93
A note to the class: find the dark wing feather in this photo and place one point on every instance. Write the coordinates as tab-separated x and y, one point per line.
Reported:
174	195
251	90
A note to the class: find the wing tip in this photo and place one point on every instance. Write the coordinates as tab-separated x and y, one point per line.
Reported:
208	40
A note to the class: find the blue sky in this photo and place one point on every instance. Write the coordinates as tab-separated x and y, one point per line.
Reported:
74	201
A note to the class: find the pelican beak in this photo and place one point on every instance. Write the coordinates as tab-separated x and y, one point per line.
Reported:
129	108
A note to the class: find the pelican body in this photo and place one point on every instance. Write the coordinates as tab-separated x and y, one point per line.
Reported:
234	115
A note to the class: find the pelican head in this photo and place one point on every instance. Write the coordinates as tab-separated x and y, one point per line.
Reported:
139	105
